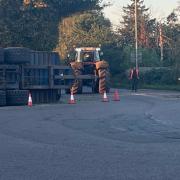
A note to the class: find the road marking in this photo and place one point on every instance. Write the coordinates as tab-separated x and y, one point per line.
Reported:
119	128
143	94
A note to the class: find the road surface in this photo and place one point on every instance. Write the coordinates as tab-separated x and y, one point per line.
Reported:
137	138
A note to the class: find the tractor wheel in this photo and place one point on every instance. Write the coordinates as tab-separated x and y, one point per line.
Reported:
77	85
102	65
104	80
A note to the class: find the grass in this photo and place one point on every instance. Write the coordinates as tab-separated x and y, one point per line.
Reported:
149	86
161	87
116	83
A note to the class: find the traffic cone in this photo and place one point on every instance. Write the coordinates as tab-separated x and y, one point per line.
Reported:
72	100
105	98
30	100
116	96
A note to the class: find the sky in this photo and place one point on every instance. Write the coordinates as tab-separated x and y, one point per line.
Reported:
158	8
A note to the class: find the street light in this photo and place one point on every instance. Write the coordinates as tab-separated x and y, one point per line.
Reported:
136	35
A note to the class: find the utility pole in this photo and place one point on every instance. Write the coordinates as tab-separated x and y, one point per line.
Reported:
136	34
161	42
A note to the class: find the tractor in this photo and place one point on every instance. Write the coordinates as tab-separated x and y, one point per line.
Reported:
90	70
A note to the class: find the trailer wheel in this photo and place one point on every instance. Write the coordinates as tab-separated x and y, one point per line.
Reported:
17	55
2	98
104	81
17	97
1	55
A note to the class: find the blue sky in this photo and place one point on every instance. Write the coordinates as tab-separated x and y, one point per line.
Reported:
158	8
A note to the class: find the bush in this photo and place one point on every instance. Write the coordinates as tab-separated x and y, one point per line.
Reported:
158	76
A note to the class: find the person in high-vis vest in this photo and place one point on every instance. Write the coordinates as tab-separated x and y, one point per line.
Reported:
134	77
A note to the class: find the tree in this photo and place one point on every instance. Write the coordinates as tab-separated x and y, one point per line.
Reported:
34	23
127	28
87	29
147	33
172	39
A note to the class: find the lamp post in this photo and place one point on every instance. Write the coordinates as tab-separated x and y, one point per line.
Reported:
136	35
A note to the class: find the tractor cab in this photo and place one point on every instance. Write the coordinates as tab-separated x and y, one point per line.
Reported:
88	55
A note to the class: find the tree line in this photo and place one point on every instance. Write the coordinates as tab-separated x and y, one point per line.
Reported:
60	25
34	23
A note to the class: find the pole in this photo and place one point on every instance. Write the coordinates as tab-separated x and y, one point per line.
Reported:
162	53
161	42
136	34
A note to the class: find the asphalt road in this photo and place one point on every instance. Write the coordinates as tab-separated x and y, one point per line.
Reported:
137	138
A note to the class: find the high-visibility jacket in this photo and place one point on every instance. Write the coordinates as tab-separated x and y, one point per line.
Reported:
131	73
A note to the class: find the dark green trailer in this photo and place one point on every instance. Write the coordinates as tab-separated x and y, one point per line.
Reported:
40	73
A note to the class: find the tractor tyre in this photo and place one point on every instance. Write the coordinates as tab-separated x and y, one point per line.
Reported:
77	85
104	81
102	65
2	98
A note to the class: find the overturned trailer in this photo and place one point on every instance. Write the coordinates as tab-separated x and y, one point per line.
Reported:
40	73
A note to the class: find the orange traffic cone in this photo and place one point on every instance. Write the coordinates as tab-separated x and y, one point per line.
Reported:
105	98
116	96
72	100
30	100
